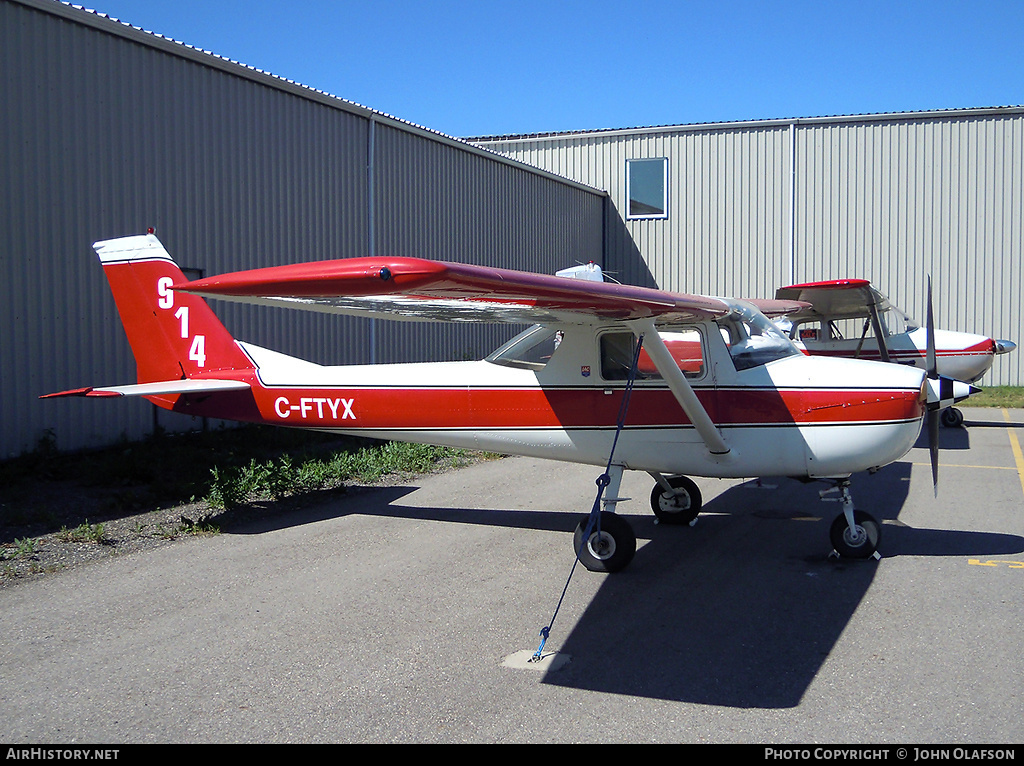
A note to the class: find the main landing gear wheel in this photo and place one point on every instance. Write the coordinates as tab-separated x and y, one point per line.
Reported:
861	542
952	417
607	550
679	507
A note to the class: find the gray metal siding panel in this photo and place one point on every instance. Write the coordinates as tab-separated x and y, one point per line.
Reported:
891	199
112	137
895	202
437	202
727	198
107	132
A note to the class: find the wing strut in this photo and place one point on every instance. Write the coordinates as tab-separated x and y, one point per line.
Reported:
883	349
681	388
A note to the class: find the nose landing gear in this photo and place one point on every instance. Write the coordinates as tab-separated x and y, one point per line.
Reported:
854	534
675	499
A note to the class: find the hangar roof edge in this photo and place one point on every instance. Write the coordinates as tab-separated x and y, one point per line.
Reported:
110	24
780	122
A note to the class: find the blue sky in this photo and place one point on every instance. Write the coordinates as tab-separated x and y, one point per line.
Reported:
489	68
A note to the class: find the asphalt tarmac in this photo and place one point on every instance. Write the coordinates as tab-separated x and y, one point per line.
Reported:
405	614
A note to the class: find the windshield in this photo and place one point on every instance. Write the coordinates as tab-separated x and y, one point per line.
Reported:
529	350
897	322
753	339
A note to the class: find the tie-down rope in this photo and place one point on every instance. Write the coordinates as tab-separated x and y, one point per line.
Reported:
594	520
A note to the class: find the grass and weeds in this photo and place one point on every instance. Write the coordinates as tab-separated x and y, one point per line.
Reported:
83	533
23	547
1010	397
287	475
47	492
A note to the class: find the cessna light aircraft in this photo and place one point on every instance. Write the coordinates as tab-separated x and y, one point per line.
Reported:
713	388
851	318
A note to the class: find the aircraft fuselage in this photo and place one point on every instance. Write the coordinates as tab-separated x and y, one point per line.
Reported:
779	418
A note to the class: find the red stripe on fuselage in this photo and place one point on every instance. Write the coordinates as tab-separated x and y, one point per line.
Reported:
983	348
406	408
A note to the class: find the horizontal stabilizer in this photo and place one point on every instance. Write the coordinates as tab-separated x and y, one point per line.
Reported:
156	389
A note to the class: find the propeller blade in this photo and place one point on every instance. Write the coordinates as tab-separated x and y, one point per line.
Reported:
933	447
933	412
931	364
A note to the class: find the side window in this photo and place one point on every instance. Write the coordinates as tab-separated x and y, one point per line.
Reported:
688	351
810	331
532	349
618	348
646	188
850	329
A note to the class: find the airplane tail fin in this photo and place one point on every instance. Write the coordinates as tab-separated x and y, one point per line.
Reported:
174	335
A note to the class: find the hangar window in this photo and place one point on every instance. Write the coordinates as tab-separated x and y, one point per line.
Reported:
646	185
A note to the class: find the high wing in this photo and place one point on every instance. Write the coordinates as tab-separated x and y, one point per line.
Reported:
420	289
835	299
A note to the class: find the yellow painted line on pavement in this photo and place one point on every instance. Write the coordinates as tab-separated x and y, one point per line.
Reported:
1015	446
960	465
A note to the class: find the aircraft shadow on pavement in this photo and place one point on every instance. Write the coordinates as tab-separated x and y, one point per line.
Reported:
992	424
740	610
386	501
949	439
960	438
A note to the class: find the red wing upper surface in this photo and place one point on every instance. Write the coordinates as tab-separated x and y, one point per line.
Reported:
414	288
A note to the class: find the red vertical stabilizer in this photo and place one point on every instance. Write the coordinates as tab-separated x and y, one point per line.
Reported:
173	335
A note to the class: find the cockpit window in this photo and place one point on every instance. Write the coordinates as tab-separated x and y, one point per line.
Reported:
618	349
892	321
617	352
753	340
529	350
898	322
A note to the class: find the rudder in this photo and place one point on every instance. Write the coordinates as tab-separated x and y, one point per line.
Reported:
173	335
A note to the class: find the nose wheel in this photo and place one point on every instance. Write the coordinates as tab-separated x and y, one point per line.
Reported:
675	499
854	534
856	541
952	418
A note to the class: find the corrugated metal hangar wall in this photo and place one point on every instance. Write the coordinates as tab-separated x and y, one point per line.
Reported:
752	206
108	130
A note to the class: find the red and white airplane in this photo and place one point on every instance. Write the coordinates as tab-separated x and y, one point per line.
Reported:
609	375
851	318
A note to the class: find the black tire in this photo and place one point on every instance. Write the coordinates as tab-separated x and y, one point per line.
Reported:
681	508
859	544
611	550
951	417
